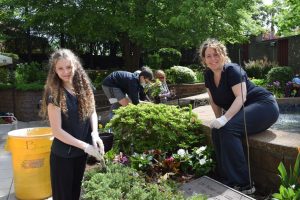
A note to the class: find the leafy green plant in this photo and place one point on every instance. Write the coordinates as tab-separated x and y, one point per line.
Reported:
155	126
199	77
154	88
180	74
120	182
259	82
141	161
169	57
281	74
290	185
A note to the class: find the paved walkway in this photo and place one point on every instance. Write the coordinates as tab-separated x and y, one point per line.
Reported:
6	169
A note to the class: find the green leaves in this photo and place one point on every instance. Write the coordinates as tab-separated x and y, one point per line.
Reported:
121	182
290	186
155	126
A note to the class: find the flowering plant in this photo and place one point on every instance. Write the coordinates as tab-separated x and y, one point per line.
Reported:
276	88
155	162
185	160
198	161
141	161
202	162
121	158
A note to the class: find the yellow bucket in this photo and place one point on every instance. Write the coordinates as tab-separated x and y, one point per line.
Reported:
30	148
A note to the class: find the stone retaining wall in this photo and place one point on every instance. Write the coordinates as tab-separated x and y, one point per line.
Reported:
267	149
24	104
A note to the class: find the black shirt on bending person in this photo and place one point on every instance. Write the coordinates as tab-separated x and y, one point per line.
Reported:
128	83
231	75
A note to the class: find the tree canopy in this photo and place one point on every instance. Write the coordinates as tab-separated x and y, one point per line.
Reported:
136	25
289	17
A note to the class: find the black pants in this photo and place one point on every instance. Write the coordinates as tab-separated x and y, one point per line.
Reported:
66	176
231	161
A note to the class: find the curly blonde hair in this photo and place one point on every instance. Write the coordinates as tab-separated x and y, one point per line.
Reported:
81	83
214	44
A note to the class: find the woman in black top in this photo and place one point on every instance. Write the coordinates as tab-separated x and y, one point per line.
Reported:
69	104
229	88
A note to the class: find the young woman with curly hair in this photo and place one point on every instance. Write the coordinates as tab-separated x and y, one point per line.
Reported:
68	102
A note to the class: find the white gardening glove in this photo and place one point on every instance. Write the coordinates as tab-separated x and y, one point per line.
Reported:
91	150
219	122
97	142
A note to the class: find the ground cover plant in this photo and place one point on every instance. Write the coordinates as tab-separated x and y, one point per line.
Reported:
157	147
121	182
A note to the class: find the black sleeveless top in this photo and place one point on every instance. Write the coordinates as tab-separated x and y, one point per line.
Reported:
72	125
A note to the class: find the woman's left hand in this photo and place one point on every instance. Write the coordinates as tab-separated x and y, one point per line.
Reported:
219	122
97	142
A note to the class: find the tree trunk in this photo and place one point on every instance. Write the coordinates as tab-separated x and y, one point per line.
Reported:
131	53
62	40
29	45
28	40
113	46
91	63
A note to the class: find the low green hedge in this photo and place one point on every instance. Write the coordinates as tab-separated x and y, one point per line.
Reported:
121	182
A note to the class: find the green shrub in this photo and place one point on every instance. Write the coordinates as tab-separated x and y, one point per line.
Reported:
281	74
155	126
153	61
4	75
259	68
180	74
169	57
120	182
199	71
199	77
30	73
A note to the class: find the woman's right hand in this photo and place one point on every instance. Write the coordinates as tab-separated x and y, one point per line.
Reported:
93	151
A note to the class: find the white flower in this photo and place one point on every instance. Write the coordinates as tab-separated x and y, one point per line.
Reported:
200	150
181	152
293	186
203	148
202	161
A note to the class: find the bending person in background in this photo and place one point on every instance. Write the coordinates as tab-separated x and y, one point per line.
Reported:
68	102
229	88
165	92
122	87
